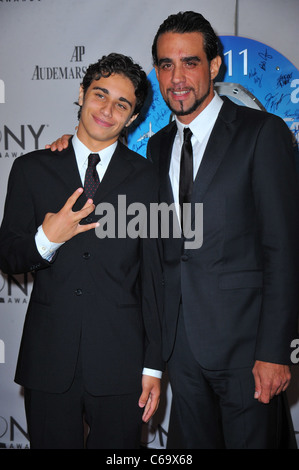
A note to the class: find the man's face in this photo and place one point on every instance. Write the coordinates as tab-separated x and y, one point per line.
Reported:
107	107
184	74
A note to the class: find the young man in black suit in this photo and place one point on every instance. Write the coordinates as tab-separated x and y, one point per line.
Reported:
91	341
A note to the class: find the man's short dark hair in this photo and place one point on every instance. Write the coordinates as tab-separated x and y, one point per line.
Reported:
118	64
189	22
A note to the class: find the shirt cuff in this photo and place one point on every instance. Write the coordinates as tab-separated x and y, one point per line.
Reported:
152	373
45	248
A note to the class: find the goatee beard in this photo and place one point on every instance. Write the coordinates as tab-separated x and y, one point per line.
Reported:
192	108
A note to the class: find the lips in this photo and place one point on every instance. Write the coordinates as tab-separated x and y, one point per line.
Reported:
180	94
102	123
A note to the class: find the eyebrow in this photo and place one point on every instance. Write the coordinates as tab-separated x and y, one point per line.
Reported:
193	58
184	59
121	98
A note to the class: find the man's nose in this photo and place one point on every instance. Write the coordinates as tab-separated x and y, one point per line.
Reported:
107	109
178	75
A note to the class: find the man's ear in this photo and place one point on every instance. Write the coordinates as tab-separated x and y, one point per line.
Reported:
81	96
215	66
132	119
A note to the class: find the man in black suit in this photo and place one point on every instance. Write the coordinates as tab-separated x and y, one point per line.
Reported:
231	306
91	344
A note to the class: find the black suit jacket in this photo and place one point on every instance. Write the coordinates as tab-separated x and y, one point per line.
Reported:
239	291
102	294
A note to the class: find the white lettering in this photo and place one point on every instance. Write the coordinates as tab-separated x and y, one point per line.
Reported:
295	353
295	93
2	352
2	92
115	460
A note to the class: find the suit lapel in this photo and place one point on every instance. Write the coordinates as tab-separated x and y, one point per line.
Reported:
164	163
68	173
166	193
219	141
118	170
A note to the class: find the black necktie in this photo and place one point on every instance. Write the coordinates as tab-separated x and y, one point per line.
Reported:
186	170
92	180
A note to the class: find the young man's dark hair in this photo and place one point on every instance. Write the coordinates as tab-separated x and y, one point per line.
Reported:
118	64
189	22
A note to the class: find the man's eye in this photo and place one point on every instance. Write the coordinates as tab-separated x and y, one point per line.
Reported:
190	64
166	66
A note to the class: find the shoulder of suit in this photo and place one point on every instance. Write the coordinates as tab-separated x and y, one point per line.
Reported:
163	132
246	112
132	155
137	160
254	120
37	155
45	153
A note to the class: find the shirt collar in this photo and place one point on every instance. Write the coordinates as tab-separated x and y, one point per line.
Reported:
82	152
202	124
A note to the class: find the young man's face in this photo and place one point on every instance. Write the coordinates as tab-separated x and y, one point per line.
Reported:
107	107
185	74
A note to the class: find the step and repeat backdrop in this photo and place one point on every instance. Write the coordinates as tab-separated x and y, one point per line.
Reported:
46	46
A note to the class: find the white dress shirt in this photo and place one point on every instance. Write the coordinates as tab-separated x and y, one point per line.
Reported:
201	128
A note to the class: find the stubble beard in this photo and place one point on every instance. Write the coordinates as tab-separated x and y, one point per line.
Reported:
185	112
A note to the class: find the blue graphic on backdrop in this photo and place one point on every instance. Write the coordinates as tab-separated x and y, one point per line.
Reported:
266	74
158	116
259	77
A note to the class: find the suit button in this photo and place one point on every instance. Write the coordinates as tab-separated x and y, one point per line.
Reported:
184	257
88	220
86	255
78	292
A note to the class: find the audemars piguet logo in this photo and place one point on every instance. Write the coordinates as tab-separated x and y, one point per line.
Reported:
63	72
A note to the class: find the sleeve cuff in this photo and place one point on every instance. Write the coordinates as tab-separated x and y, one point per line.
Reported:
45	248
152	373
